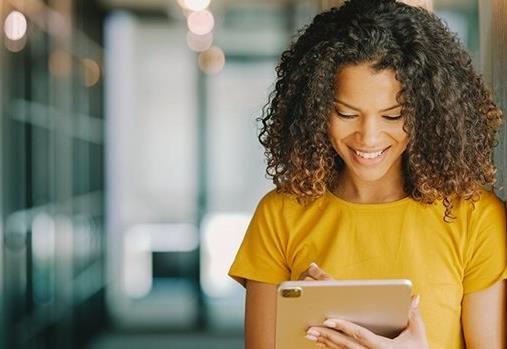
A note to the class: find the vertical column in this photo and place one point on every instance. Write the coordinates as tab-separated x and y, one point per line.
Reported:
3	342
61	145
493	37
120	102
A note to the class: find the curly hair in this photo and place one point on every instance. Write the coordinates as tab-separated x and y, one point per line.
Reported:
449	114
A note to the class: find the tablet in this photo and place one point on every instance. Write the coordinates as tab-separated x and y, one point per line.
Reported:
382	306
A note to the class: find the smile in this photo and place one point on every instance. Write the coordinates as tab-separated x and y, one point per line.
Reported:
369	155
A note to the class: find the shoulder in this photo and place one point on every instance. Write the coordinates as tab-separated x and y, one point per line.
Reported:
484	201
487	212
488	204
272	198
276	199
272	201
490	199
288	207
484	209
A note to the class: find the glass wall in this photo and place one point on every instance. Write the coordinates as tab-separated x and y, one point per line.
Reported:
52	174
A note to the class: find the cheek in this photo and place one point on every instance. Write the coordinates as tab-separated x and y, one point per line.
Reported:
403	143
335	136
400	136
338	131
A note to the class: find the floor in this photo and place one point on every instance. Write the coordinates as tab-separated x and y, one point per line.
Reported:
159	341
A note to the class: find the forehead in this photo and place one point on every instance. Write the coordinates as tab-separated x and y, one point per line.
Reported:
361	85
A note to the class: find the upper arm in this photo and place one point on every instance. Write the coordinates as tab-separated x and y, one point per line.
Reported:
260	315
483	317
262	254
485	254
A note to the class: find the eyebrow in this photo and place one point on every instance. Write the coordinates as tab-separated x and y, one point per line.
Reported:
357	109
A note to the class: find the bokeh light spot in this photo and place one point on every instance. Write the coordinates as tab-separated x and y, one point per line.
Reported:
15	26
201	22
90	72
199	43
212	61
196	5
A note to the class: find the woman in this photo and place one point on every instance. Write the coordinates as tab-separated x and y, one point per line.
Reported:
379	138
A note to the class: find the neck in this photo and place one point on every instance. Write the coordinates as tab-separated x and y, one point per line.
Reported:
384	190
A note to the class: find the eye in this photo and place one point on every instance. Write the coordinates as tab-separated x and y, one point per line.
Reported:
345	115
393	117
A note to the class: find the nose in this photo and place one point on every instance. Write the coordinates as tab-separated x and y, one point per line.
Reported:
369	132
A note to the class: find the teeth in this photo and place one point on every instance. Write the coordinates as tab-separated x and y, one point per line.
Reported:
369	155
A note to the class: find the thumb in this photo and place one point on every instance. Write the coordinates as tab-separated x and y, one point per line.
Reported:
317	273
415	320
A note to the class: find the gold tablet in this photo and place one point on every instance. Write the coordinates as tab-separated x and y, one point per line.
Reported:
382	306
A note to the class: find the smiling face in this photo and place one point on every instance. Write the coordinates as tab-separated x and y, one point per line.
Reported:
366	126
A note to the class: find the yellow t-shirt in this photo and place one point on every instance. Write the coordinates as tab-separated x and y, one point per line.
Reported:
402	239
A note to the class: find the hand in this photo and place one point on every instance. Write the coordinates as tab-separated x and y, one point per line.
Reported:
314	273
343	334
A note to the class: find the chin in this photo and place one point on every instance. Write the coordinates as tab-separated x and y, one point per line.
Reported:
369	176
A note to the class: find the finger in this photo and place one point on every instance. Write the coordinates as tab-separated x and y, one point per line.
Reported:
317	273
333	339
415	320
313	336
360	334
304	275
326	343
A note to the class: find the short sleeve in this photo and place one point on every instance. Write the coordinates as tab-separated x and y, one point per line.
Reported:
487	244
261	256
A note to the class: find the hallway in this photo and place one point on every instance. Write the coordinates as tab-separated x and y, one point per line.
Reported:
131	165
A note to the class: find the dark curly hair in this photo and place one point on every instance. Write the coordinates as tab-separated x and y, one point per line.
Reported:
448	112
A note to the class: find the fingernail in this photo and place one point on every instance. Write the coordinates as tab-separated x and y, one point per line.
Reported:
330	323
311	338
314	266
416	301
313	333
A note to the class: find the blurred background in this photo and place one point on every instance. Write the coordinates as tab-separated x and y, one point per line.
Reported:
130	165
